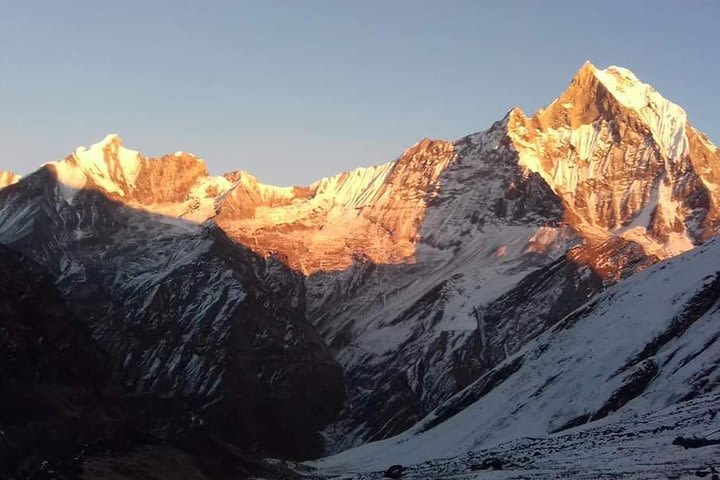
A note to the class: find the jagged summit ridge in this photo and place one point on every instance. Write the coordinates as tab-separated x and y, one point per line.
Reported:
627	181
619	156
374	211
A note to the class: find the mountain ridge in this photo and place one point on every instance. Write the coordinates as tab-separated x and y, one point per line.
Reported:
582	117
419	275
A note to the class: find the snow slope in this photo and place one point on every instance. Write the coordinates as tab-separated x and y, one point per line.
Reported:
667	121
642	346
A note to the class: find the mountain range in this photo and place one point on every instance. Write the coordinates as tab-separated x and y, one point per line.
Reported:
552	280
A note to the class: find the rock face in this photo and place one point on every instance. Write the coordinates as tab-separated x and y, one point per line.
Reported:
410	334
645	345
374	212
624	161
529	220
62	415
385	290
188	317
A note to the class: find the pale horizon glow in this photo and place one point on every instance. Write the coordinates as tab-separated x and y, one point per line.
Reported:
292	92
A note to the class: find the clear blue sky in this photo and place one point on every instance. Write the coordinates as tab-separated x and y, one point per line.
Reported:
296	90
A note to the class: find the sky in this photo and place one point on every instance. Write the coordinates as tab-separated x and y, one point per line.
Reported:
296	90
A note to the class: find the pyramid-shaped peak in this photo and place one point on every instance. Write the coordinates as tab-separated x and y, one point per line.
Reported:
612	93
615	70
622	84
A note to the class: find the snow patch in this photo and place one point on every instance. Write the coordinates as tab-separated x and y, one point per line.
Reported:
353	189
584	139
71	179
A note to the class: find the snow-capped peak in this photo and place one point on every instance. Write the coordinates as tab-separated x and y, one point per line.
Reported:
107	164
666	120
173	185
109	157
627	181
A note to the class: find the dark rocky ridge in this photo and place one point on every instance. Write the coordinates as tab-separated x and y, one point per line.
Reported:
189	319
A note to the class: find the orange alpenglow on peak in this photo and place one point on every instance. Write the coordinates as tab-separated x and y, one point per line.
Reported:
615	156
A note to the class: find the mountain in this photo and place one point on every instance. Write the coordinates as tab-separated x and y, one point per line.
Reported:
640	359
212	332
630	154
525	223
63	417
299	320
